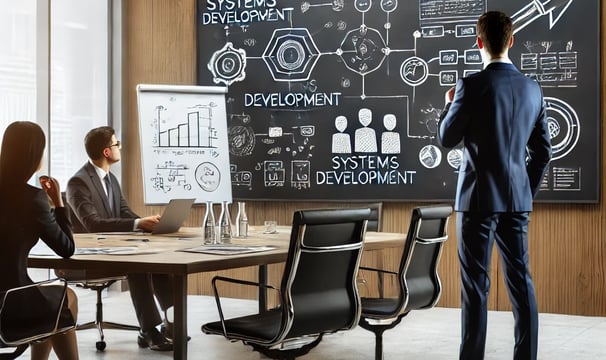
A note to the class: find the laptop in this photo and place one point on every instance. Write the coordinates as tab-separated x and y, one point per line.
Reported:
173	216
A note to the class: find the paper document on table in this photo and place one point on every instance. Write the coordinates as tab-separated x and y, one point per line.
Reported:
118	250
229	249
122	233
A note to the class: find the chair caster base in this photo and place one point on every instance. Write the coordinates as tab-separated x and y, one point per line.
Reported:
100	345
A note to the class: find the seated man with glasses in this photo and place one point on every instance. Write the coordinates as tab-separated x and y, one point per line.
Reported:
96	199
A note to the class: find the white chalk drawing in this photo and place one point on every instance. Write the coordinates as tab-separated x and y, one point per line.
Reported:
296	141
566	178
364	46
365	137
341	142
454	158
274	173
536	9
435	14
390	140
414	71
241	140
362	50
550	67
291	54
430	156
301	174
564	127
240	178
362	5
228	65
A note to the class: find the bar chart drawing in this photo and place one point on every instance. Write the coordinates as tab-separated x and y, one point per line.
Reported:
184	143
197	131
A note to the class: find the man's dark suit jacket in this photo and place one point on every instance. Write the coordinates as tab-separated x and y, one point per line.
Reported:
499	114
87	198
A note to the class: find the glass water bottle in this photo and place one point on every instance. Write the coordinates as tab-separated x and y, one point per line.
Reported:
225	224
241	221
208	224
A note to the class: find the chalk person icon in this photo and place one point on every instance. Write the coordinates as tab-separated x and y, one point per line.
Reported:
390	140
341	142
365	137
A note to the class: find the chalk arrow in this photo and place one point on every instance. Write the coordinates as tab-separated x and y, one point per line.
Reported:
537	8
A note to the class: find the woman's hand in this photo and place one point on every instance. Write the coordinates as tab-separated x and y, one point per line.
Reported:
51	186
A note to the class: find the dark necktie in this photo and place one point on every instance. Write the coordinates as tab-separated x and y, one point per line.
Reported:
110	193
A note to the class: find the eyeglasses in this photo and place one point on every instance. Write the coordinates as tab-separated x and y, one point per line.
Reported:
118	144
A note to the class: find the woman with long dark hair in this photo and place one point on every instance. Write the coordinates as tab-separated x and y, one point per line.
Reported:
25	217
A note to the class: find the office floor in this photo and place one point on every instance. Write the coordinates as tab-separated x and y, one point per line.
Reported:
428	335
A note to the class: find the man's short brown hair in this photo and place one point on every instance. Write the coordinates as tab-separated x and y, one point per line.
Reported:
97	140
495	29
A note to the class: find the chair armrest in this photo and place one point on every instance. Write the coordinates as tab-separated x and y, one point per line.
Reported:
52	295
378	270
239	281
6	293
380	282
432	240
234	281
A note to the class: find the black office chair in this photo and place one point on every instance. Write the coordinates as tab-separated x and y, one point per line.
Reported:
97	283
23	323
418	281
376	212
318	293
374	224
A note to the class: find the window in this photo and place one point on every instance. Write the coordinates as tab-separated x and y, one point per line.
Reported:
79	67
17	61
79	80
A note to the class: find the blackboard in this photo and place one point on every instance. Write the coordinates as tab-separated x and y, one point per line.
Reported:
183	138
339	100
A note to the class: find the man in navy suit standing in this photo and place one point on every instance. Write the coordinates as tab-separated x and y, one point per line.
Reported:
499	115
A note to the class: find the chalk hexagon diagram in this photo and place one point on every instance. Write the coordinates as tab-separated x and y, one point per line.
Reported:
291	54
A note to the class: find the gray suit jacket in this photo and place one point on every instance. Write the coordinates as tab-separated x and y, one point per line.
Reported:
88	201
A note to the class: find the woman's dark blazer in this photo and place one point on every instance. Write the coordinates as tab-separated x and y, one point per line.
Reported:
25	217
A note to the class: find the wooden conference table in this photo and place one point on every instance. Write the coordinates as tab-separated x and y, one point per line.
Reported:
162	254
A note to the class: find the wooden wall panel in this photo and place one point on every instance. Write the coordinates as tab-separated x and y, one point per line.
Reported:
567	242
160	49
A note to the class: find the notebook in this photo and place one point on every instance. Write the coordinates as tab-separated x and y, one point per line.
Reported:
173	216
